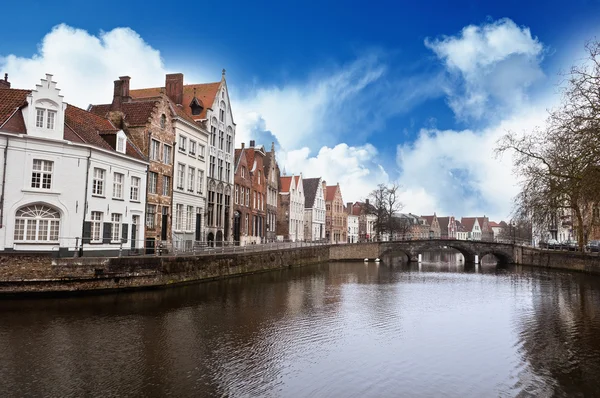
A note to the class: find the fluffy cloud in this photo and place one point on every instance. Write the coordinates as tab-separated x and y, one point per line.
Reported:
355	168
85	65
492	66
457	172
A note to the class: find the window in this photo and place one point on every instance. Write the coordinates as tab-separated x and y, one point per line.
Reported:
213	134
201	150
154	150
134	194
37	223
41	175
39	117
237	194
50	121
192	148
118	186
152	182
98	184
243	172
182	143
150	216
247	197
189	225
211	170
121	144
167	154
227	170
259	177
221	139
200	186
180	175
163	121
222	112
115	232
166	186
229	142
96	226
221	169
179	217
191	178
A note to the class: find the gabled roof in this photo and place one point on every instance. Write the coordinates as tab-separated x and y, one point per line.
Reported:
444	222
493	224
135	113
429	219
205	93
10	101
460	227
468	223
311	186
330	194
284	184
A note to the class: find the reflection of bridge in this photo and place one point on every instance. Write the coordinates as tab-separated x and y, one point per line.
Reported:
505	253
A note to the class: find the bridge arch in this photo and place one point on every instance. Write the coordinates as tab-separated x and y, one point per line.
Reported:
502	258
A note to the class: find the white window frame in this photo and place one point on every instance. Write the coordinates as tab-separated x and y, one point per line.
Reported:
200	186
96	218
152	182
118	184
98	181
167	153
121	144
40	221
191	178
192	148
41	174
180	176
182	143
201	151
39	117
50	119
190	215
134	192
150	216
166	185
116	220
179	217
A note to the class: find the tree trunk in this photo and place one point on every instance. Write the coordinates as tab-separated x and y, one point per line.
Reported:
579	227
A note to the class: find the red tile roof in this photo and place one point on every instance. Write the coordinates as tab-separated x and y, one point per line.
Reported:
136	113
11	100
284	184
468	223
205	93
493	224
87	127
330	194
428	219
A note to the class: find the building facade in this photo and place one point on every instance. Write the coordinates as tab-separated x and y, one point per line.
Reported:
272	175
148	123
447	227
76	183
335	215
290	216
209	105
434	227
314	209
472	227
352	228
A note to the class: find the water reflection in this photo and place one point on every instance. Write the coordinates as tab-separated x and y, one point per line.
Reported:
343	329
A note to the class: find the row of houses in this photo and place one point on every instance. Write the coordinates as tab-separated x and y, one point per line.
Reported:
151	168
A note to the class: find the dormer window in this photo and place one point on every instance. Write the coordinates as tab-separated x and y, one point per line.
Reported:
51	118
196	106
39	119
121	144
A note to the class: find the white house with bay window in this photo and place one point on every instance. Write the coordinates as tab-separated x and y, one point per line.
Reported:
72	183
189	189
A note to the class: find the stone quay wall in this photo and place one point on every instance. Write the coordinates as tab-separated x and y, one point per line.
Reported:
354	251
40	274
562	260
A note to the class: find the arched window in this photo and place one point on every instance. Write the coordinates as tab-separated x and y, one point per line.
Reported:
222	112
163	121
37	223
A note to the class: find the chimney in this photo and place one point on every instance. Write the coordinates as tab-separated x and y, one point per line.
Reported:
120	93
174	86
243	145
5	83
367	202
252	142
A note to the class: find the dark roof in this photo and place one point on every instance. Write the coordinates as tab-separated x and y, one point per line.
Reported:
468	223
135	113
86	127
311	186
10	101
444	222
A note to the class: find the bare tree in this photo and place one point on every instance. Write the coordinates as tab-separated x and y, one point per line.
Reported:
384	204
557	164
402	226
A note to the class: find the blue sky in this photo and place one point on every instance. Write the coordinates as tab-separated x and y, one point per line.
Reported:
359	93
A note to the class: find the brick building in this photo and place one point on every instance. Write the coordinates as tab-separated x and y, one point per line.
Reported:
272	175
336	217
208	104
148	123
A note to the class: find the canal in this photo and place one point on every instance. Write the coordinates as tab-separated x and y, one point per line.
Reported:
333	330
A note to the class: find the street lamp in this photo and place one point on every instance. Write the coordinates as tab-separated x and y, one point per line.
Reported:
513	225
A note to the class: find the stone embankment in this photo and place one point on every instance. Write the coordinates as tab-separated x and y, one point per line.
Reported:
38	273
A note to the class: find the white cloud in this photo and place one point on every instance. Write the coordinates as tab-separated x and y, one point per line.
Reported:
355	168
457	172
493	65
85	65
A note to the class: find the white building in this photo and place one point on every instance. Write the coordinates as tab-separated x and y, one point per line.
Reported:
208	104
352	228
472	227
314	209
65	189
292	205
189	191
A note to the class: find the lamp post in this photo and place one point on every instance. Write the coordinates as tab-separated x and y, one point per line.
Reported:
513	225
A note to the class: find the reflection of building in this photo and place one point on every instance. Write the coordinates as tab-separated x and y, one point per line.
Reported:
335	216
290	216
314	209
71	180
208	105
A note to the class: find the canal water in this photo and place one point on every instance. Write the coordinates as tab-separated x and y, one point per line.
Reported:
330	330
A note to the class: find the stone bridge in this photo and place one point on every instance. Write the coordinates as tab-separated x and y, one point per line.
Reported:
504	252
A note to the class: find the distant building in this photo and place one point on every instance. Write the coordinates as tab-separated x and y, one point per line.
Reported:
353	223
314	209
447	227
461	232
434	226
290	216
335	216
272	174
472	227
